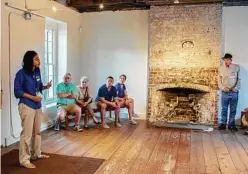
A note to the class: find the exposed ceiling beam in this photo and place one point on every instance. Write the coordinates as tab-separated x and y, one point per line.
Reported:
182	2
63	2
113	5
78	3
235	3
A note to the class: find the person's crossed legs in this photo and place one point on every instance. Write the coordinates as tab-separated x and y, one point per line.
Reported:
72	109
129	104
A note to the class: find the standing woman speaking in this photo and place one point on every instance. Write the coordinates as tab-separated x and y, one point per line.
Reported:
27	87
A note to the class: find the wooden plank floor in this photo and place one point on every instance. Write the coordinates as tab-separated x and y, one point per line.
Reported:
145	149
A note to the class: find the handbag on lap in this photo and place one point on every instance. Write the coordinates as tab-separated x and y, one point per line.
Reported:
86	96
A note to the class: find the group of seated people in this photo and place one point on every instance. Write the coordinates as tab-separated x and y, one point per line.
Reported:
75	100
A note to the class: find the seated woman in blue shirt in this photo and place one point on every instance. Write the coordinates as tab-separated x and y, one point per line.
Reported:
123	98
27	86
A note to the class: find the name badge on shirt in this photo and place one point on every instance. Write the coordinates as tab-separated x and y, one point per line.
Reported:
233	75
37	78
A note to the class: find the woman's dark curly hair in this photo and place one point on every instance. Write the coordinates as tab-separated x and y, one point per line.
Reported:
27	62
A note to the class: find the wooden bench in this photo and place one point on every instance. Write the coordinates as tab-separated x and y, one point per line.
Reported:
95	109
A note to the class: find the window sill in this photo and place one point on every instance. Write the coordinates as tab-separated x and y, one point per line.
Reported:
50	104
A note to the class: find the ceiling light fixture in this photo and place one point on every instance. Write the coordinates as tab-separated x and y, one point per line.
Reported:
176	1
54	9
101	6
27	15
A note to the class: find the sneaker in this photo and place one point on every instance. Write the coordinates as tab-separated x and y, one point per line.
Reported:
78	129
111	119
105	126
132	122
232	128
57	125
246	133
98	122
28	165
222	127
87	127
118	125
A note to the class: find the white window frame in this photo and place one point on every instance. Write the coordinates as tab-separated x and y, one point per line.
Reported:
51	26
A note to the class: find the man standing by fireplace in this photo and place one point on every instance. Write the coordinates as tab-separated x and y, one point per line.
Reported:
229	84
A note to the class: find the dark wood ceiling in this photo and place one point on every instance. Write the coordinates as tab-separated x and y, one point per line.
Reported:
123	5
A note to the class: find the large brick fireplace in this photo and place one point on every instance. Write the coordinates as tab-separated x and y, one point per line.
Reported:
184	58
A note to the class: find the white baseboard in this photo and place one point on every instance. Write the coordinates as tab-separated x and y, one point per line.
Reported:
13	139
142	116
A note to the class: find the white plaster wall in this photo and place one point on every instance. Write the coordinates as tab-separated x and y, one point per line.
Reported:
115	43
235	41
29	34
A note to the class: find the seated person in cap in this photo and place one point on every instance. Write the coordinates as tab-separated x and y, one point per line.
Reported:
123	98
107	97
66	102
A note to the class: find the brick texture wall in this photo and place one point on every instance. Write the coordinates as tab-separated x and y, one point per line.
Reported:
184	43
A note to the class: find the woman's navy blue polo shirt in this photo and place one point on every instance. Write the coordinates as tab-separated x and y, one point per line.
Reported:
29	83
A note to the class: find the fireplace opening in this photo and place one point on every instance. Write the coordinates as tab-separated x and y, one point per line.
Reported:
182	104
182	91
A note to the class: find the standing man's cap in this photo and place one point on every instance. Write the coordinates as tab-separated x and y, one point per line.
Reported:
227	56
